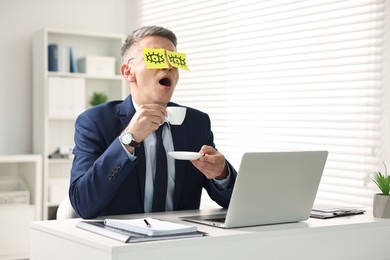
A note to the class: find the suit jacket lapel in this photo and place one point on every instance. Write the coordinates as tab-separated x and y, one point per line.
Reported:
127	111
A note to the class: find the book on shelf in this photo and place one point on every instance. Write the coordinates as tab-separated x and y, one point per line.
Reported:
58	58
150	226
63	59
53	57
125	236
73	63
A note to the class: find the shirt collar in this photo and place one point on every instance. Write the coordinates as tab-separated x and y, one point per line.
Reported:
134	104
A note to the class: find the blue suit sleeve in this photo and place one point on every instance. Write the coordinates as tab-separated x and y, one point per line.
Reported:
100	166
221	195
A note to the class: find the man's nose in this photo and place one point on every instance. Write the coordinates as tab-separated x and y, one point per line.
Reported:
169	66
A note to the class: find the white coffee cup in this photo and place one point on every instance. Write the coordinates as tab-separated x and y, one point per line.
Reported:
176	115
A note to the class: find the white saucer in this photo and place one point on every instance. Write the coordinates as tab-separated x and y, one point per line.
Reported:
185	155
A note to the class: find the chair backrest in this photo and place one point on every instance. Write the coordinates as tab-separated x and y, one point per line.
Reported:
65	210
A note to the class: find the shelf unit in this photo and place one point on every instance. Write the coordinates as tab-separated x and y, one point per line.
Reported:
52	131
15	219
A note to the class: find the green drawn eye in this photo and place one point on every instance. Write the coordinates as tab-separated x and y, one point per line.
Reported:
177	60
155	58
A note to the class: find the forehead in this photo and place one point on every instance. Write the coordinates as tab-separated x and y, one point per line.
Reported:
156	42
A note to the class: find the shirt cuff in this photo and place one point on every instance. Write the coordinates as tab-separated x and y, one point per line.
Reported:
223	184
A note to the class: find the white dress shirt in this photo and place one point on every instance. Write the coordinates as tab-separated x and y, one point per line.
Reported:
150	161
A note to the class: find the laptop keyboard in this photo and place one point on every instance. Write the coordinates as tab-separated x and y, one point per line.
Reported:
222	220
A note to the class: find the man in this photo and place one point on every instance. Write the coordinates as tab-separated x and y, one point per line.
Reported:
115	152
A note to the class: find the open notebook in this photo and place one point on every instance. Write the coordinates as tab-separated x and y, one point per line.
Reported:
275	187
150	226
125	236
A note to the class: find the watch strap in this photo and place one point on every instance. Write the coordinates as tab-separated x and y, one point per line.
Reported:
133	143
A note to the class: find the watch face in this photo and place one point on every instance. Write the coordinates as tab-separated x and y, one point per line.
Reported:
126	138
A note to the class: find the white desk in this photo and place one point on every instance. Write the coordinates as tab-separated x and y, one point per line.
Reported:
354	237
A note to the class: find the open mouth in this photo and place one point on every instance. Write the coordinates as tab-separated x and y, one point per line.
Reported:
165	82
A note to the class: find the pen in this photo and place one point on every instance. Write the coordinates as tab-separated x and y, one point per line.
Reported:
147	223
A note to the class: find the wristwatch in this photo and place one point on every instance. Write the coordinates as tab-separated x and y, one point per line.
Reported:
127	139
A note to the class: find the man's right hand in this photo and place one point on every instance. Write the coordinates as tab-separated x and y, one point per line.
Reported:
146	120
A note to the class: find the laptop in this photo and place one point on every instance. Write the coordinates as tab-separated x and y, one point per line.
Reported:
271	188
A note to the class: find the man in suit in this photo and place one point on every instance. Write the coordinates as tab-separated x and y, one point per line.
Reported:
114	167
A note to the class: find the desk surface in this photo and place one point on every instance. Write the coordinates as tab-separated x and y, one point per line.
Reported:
351	237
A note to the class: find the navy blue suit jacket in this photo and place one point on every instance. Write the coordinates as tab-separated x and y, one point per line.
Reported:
104	181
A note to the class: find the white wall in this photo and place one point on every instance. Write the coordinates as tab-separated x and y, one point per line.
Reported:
19	19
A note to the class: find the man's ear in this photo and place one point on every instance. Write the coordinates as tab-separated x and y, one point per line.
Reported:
128	72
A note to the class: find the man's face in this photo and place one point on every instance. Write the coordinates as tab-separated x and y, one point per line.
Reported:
151	86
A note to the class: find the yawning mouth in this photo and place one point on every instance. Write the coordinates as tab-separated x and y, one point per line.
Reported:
165	82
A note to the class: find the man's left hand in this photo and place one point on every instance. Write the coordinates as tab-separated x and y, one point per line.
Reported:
212	164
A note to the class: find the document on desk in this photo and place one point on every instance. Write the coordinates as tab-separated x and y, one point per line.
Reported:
325	213
150	226
98	227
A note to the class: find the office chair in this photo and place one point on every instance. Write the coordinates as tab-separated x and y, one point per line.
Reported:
65	210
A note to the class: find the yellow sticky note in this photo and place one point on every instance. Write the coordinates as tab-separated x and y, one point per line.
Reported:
177	60
155	58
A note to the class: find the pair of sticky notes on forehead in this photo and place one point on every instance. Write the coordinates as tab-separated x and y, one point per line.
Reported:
156	59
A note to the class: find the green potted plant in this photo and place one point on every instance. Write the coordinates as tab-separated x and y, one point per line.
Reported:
98	98
381	207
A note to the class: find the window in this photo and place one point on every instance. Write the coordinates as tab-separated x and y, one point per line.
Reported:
286	75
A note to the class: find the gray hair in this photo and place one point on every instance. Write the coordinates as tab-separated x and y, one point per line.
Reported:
145	31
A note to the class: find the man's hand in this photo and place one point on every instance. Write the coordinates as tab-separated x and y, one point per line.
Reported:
212	164
146	120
